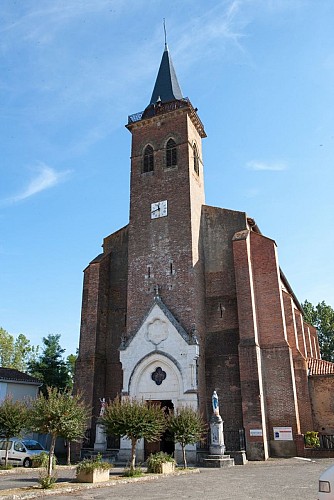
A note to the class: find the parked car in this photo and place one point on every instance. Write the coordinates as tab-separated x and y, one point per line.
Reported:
326	484
20	451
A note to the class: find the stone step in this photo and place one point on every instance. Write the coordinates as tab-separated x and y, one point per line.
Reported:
218	461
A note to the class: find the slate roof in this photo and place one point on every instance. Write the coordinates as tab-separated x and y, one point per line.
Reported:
11	375
166	87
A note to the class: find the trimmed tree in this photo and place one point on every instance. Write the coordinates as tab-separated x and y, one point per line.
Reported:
187	427
135	420
74	428
58	414
13	420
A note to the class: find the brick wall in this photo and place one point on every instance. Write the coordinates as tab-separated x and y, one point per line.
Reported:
278	374
222	329
292	315
321	390
98	371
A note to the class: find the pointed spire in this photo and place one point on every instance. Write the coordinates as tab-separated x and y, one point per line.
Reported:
166	87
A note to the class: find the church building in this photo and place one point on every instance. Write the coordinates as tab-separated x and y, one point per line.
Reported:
188	298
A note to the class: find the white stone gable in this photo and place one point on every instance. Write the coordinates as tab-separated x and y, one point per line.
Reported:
160	361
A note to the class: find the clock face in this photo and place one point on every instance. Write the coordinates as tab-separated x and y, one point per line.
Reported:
159	209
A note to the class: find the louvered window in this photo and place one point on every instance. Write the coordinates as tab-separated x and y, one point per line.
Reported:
196	159
148	164
171	153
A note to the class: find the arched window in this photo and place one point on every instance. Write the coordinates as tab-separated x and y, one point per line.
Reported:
171	153
148	165
196	159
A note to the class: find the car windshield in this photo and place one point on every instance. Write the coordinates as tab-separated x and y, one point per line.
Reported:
33	445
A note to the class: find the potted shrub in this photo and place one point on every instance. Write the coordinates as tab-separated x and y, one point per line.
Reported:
311	439
160	463
93	470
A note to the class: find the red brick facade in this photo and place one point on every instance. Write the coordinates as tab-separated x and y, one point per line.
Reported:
217	275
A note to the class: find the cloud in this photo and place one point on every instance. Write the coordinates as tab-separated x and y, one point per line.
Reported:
274	166
41	22
45	178
211	32
74	77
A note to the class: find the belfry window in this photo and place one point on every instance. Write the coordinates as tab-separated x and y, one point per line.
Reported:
148	164
171	153
196	159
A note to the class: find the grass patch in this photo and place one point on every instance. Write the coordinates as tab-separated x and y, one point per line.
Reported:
47	481
137	472
6	467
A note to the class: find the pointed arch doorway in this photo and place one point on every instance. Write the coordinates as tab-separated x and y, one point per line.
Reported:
166	443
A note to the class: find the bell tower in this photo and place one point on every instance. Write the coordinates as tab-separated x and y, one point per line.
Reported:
167	194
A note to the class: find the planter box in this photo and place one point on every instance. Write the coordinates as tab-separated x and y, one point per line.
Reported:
167	468
96	476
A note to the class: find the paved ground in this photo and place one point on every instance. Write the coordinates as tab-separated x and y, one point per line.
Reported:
291	479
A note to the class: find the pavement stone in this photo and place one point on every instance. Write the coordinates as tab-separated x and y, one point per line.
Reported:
275	479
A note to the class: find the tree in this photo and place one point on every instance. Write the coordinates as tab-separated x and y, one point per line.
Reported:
6	348
58	414
50	367
70	362
321	317
13	420
186	427
15	353
74	428
135	420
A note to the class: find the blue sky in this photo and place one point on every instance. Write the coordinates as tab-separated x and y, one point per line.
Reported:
261	73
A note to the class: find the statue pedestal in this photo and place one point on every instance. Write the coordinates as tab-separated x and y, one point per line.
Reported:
217	457
100	438
217	445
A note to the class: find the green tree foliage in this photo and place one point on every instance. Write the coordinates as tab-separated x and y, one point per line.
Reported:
50	366
75	427
134	420
16	353
58	414
70	361
187	427
13	420
321	317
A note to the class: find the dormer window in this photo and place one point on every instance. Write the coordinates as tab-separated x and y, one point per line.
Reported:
196	159
148	163
171	153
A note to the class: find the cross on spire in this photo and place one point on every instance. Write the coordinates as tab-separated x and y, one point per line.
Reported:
165	34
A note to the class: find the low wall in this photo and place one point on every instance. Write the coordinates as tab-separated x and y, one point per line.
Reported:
311	452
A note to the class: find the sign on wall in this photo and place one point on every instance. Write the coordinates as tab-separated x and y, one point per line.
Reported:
255	432
283	434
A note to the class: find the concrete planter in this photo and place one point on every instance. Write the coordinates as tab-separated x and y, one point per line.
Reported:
167	468
94	476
